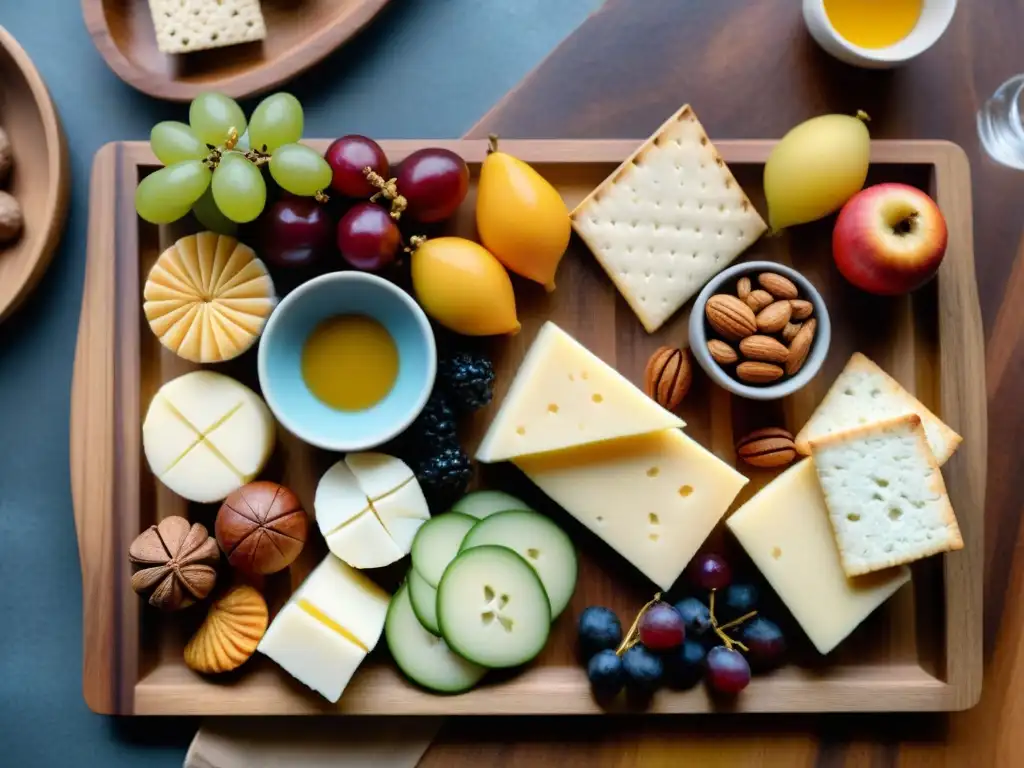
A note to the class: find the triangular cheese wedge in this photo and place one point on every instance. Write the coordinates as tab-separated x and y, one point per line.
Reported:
565	396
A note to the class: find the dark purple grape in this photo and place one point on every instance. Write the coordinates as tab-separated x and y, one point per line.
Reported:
710	571
368	237
685	667
348	156
606	672
696	616
295	232
644	670
434	183
765	642
737	600
661	628
727	670
599	630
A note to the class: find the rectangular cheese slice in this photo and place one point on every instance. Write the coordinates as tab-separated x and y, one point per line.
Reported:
786	532
667	220
654	498
564	396
348	598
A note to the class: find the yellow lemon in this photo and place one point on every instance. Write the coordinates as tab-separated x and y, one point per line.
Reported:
521	218
462	286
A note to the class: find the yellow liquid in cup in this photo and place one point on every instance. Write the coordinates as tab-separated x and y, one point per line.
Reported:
350	362
873	23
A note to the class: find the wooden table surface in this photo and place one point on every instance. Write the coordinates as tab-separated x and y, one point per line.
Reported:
752	71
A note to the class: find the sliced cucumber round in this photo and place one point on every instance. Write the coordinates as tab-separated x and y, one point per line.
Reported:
481	504
426	659
437	543
424	601
541	543
492	608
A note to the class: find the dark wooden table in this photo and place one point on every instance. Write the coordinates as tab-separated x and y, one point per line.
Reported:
752	71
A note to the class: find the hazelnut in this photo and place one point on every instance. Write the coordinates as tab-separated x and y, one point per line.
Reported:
262	528
11	220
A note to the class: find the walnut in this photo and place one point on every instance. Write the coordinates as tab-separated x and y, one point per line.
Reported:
6	156
180	557
11	221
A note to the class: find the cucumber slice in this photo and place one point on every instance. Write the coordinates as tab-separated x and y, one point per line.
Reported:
424	658
541	543
437	543
424	601
481	504
492	608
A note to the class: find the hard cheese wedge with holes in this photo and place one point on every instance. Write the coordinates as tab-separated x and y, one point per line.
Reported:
653	498
205	435
885	495
667	220
786	532
565	396
327	628
369	507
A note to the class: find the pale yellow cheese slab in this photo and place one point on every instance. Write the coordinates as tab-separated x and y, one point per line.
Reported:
786	531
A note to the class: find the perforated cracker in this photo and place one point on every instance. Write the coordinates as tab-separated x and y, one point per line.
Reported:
670	218
183	26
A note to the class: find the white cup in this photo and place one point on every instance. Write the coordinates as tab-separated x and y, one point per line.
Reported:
935	17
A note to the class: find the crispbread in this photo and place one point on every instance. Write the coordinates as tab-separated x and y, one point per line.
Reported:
885	495
864	393
196	25
667	220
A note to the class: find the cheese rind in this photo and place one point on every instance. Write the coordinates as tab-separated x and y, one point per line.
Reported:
564	396
653	498
786	532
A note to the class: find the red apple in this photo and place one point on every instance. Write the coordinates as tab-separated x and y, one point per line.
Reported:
889	239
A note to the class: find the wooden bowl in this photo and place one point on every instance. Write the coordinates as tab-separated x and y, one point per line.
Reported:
40	179
299	34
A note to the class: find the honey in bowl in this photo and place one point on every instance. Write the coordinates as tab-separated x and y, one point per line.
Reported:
873	23
350	362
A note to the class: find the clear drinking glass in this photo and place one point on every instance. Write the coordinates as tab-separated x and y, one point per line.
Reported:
1001	123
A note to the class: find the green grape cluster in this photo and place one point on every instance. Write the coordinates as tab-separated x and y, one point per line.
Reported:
213	163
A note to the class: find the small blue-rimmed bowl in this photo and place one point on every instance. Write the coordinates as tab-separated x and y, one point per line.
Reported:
280	361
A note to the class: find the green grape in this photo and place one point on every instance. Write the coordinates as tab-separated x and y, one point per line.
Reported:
168	194
209	215
238	188
275	122
213	115
173	142
300	170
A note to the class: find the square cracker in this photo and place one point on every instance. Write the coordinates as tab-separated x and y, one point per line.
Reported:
885	495
183	26
667	220
864	393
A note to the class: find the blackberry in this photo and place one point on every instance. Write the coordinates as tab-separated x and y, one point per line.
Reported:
435	427
445	474
469	378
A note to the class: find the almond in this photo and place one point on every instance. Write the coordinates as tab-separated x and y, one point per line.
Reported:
743	288
800	346
790	331
778	286
758	373
801	309
774	317
730	317
764	348
758	300
722	353
768	448
668	376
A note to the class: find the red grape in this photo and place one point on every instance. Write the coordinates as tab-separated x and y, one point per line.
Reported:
295	232
368	237
661	627
727	670
765	641
348	156
433	182
710	571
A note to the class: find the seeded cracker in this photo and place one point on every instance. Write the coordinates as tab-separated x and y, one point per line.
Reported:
667	220
183	26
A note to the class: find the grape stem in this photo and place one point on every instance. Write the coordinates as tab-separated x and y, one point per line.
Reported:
633	636
258	157
386	189
414	242
492	143
232	138
720	628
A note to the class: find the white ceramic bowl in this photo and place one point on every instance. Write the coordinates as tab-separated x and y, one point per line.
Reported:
935	17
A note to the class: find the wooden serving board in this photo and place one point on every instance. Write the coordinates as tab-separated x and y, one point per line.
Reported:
921	651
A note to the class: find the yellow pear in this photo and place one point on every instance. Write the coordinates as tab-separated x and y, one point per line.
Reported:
521	218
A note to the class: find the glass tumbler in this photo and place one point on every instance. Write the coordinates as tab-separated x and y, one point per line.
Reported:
1001	123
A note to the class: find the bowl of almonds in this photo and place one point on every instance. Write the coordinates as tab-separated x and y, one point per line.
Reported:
760	330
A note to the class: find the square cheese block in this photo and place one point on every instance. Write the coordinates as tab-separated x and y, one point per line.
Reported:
563	396
786	532
864	393
667	220
348	598
654	498
183	26
885	495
